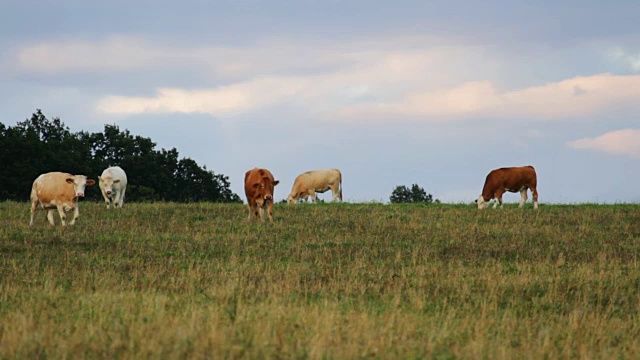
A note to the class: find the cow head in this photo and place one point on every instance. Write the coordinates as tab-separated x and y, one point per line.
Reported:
106	183
295	198
79	183
263	190
482	204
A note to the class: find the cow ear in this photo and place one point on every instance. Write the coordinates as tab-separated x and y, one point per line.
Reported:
276	182
116	181
256	185
91	182
70	180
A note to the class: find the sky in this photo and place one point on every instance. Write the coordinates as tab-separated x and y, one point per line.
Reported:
436	93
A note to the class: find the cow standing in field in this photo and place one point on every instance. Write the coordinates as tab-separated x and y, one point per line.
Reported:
113	185
512	179
61	191
316	181
258	187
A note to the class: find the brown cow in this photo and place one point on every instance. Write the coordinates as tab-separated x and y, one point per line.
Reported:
57	190
512	179
258	186
316	181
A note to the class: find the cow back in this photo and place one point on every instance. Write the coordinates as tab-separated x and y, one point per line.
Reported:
316	179
52	188
512	178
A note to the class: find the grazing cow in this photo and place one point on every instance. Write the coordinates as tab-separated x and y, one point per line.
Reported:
57	190
258	186
316	181
512	179
113	185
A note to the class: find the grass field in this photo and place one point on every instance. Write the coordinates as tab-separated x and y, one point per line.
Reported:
324	281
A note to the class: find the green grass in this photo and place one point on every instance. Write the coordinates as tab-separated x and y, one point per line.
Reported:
324	281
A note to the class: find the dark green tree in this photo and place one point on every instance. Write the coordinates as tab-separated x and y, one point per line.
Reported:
415	194
38	145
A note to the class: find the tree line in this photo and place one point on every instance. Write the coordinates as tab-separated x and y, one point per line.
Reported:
39	145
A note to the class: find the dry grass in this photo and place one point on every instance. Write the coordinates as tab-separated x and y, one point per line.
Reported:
324	281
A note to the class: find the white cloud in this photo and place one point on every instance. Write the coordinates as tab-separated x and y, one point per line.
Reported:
396	78
334	95
112	54
226	100
619	142
576	97
629	59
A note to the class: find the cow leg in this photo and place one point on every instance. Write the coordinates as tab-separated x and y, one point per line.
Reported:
534	194
270	210
121	200
63	215
498	197
34	207
523	197
261	212
116	199
106	198
314	198
252	212
50	217
334	193
76	214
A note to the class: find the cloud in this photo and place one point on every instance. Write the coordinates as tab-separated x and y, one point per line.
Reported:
629	59
347	97
402	78
619	142
570	98
125	53
116	53
387	60
226	100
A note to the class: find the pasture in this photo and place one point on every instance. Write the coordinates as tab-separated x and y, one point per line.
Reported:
166	280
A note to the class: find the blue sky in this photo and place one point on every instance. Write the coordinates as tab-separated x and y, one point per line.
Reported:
393	93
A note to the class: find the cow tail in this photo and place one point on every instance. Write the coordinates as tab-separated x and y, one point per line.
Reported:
341	187
34	194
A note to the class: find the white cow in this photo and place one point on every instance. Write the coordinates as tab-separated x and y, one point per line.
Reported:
61	191
316	181
113	184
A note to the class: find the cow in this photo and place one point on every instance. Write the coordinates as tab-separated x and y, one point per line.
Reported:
58	190
316	181
258	187
113	185
512	179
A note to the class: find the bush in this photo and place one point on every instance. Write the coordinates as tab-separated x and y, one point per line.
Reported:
415	194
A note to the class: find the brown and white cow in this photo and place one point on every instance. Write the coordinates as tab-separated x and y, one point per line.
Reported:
512	179
61	191
258	187
316	181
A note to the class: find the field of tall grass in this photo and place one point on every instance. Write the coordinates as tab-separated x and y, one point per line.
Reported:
441	281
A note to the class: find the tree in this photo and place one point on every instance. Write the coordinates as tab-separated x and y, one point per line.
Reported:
38	145
416	194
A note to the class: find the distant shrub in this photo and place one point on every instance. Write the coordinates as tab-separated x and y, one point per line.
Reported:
402	194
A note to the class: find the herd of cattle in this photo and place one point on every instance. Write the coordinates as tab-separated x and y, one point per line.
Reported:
61	191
